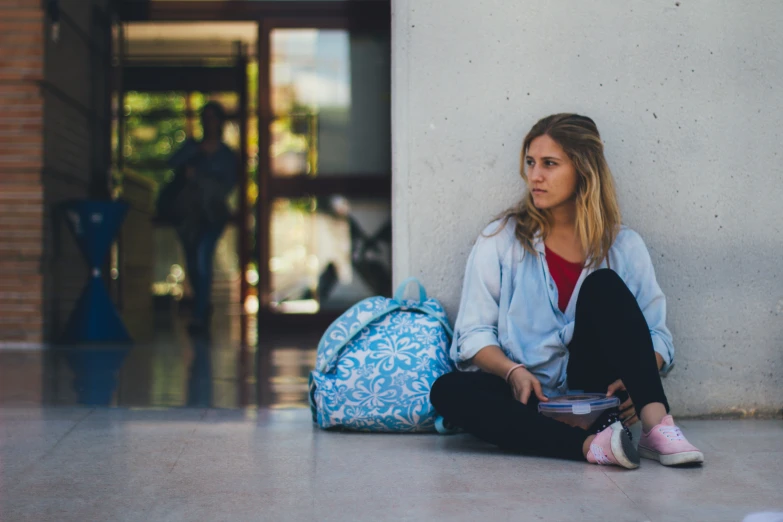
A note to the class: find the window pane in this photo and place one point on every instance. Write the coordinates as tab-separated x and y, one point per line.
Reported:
328	253
331	103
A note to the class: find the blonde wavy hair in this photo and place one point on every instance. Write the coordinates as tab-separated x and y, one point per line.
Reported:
597	210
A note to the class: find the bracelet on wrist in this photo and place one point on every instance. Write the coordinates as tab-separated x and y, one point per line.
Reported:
511	370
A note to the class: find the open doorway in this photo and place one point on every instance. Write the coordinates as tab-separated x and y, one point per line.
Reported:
170	71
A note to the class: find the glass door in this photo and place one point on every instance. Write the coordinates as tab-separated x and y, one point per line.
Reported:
324	205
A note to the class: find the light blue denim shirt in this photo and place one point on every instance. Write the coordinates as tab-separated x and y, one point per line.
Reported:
509	299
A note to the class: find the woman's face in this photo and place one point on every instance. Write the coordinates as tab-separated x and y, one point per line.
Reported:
551	176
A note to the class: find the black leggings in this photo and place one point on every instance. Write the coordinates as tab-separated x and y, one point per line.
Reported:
611	341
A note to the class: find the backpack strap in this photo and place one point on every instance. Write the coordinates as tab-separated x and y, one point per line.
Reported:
442	320
311	388
400	293
443	427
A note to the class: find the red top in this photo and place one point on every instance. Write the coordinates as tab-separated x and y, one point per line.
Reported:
565	274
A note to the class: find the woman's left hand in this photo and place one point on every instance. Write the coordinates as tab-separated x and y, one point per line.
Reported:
628	414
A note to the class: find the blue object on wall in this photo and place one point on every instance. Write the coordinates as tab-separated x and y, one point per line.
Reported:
94	225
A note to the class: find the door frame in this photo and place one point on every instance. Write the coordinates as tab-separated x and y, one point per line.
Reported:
152	76
364	13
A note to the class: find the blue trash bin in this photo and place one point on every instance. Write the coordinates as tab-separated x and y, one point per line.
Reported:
95	224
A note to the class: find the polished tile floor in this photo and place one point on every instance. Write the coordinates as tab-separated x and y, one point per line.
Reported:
195	429
173	370
76	464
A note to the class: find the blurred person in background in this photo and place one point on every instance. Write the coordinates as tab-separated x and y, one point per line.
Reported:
195	203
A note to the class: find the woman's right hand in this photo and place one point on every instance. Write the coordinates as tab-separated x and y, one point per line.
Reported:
493	360
523	383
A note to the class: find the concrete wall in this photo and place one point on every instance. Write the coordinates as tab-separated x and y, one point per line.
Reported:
687	98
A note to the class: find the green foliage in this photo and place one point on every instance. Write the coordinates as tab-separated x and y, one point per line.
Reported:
155	126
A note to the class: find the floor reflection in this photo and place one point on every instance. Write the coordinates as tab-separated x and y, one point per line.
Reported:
174	370
200	381
94	372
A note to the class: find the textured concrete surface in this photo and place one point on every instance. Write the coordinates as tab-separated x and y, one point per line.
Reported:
686	97
77	464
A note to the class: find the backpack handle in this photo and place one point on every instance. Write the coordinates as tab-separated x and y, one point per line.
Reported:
400	293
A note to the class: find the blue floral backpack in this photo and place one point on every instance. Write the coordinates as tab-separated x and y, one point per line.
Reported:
377	362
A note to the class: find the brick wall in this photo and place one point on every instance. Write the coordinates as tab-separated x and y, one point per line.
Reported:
21	162
51	150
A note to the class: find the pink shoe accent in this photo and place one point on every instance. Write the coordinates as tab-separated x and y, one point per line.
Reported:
613	447
666	444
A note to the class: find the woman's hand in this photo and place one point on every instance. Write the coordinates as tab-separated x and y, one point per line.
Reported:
628	412
492	360
523	383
